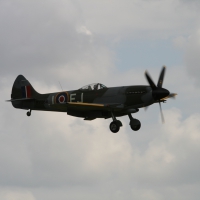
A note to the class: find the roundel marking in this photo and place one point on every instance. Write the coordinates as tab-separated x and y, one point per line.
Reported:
61	97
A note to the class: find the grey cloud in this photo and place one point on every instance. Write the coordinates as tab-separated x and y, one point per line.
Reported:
190	1
34	39
192	56
42	40
139	19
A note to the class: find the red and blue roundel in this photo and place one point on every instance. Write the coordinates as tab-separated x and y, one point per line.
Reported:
61	97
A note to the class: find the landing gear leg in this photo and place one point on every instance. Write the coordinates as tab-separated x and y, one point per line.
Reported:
28	113
115	124
134	123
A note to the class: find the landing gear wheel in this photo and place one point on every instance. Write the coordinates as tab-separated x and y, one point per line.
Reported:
114	126
28	113
136	127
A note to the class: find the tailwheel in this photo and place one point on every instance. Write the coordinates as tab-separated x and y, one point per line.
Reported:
28	113
115	126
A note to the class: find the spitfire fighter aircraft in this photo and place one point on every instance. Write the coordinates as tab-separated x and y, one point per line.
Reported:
94	100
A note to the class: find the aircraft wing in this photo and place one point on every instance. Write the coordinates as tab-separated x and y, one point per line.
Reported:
89	106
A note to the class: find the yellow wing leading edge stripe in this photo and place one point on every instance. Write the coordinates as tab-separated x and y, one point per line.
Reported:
86	104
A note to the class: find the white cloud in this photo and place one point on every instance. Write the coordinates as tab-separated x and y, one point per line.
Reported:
157	19
84	30
7	194
48	45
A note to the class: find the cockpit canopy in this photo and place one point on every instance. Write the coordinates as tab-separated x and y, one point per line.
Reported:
93	86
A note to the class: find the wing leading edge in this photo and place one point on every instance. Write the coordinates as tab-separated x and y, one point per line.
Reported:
89	106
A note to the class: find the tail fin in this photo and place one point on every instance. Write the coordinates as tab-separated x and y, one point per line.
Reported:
22	89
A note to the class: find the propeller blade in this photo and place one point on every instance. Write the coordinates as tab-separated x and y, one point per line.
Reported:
161	77
150	81
161	113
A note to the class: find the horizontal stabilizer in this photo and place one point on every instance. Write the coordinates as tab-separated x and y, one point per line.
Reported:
23	99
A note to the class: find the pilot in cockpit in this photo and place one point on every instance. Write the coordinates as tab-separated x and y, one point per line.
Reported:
95	86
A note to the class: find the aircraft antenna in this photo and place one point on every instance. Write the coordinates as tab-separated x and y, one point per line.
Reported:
60	85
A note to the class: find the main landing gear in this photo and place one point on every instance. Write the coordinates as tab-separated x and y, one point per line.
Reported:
134	123
115	124
28	113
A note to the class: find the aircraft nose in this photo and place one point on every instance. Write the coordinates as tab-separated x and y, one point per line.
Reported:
160	93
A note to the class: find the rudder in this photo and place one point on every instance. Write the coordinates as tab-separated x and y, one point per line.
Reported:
23	94
22	89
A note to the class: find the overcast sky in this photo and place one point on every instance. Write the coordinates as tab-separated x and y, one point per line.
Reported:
55	156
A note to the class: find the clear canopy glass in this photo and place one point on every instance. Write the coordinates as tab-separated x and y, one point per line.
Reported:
93	86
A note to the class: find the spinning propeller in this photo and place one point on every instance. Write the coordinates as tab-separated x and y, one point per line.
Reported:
159	94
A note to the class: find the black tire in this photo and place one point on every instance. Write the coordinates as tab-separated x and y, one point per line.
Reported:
136	127
28	114
114	127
